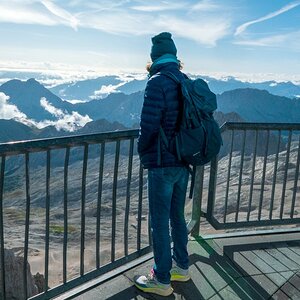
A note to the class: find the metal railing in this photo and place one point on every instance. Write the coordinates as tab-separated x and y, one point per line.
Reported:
79	205
80	192
255	180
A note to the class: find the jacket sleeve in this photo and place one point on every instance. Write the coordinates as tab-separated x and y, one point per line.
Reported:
151	116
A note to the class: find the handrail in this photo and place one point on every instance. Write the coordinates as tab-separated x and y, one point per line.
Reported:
258	126
12	148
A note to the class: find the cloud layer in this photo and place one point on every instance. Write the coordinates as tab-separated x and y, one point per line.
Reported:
65	121
41	12
9	111
200	21
203	21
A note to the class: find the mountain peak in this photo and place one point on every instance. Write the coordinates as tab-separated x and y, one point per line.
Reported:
32	81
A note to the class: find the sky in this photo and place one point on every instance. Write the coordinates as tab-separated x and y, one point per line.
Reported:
254	37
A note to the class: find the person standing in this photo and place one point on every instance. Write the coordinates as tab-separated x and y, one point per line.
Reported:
167	176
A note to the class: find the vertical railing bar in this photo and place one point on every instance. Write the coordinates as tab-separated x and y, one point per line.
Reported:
114	202
240	176
275	176
228	177
83	193
197	201
99	203
252	175
65	246
295	181
149	231
140	203
285	173
126	218
263	176
2	256
212	187
47	221
27	219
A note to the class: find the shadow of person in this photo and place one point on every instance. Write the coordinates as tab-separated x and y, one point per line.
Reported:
133	293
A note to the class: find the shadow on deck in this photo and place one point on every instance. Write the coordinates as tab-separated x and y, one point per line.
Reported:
253	267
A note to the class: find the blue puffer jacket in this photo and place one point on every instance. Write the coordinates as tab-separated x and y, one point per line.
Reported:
161	107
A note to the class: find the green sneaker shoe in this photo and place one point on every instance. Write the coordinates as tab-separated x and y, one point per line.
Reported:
150	284
179	274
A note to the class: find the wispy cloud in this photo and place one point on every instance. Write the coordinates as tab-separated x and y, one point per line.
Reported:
206	5
161	6
284	9
265	41
106	90
124	17
118	22
43	12
65	121
206	31
61	13
98	5
49	74
289	40
9	111
19	13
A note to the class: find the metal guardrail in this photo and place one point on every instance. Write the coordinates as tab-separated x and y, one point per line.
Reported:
259	183
239	190
87	150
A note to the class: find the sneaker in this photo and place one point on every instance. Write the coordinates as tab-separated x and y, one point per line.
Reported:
179	274
150	284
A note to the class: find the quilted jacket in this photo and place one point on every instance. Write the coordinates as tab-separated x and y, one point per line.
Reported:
160	108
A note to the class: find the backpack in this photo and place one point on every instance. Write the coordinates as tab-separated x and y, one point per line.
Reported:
198	137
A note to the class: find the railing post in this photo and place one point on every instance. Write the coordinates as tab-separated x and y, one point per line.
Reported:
212	187
47	221
2	264
194	225
114	202
65	242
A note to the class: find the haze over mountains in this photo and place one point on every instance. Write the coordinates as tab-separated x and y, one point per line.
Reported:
86	90
68	107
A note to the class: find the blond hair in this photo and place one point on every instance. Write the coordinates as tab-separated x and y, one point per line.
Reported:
149	64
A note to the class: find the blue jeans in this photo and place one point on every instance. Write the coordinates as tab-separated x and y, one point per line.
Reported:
167	192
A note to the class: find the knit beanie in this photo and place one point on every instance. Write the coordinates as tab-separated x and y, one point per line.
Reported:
162	44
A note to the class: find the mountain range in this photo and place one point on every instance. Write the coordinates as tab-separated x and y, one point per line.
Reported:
27	95
101	87
255	105
286	89
40	103
86	90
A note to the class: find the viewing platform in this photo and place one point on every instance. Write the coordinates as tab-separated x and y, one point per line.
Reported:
264	266
74	218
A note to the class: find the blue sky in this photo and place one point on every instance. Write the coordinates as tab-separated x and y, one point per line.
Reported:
212	36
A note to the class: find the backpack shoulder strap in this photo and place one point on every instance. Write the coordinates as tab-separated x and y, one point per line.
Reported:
170	75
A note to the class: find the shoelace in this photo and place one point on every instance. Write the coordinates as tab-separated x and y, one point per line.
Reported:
151	275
